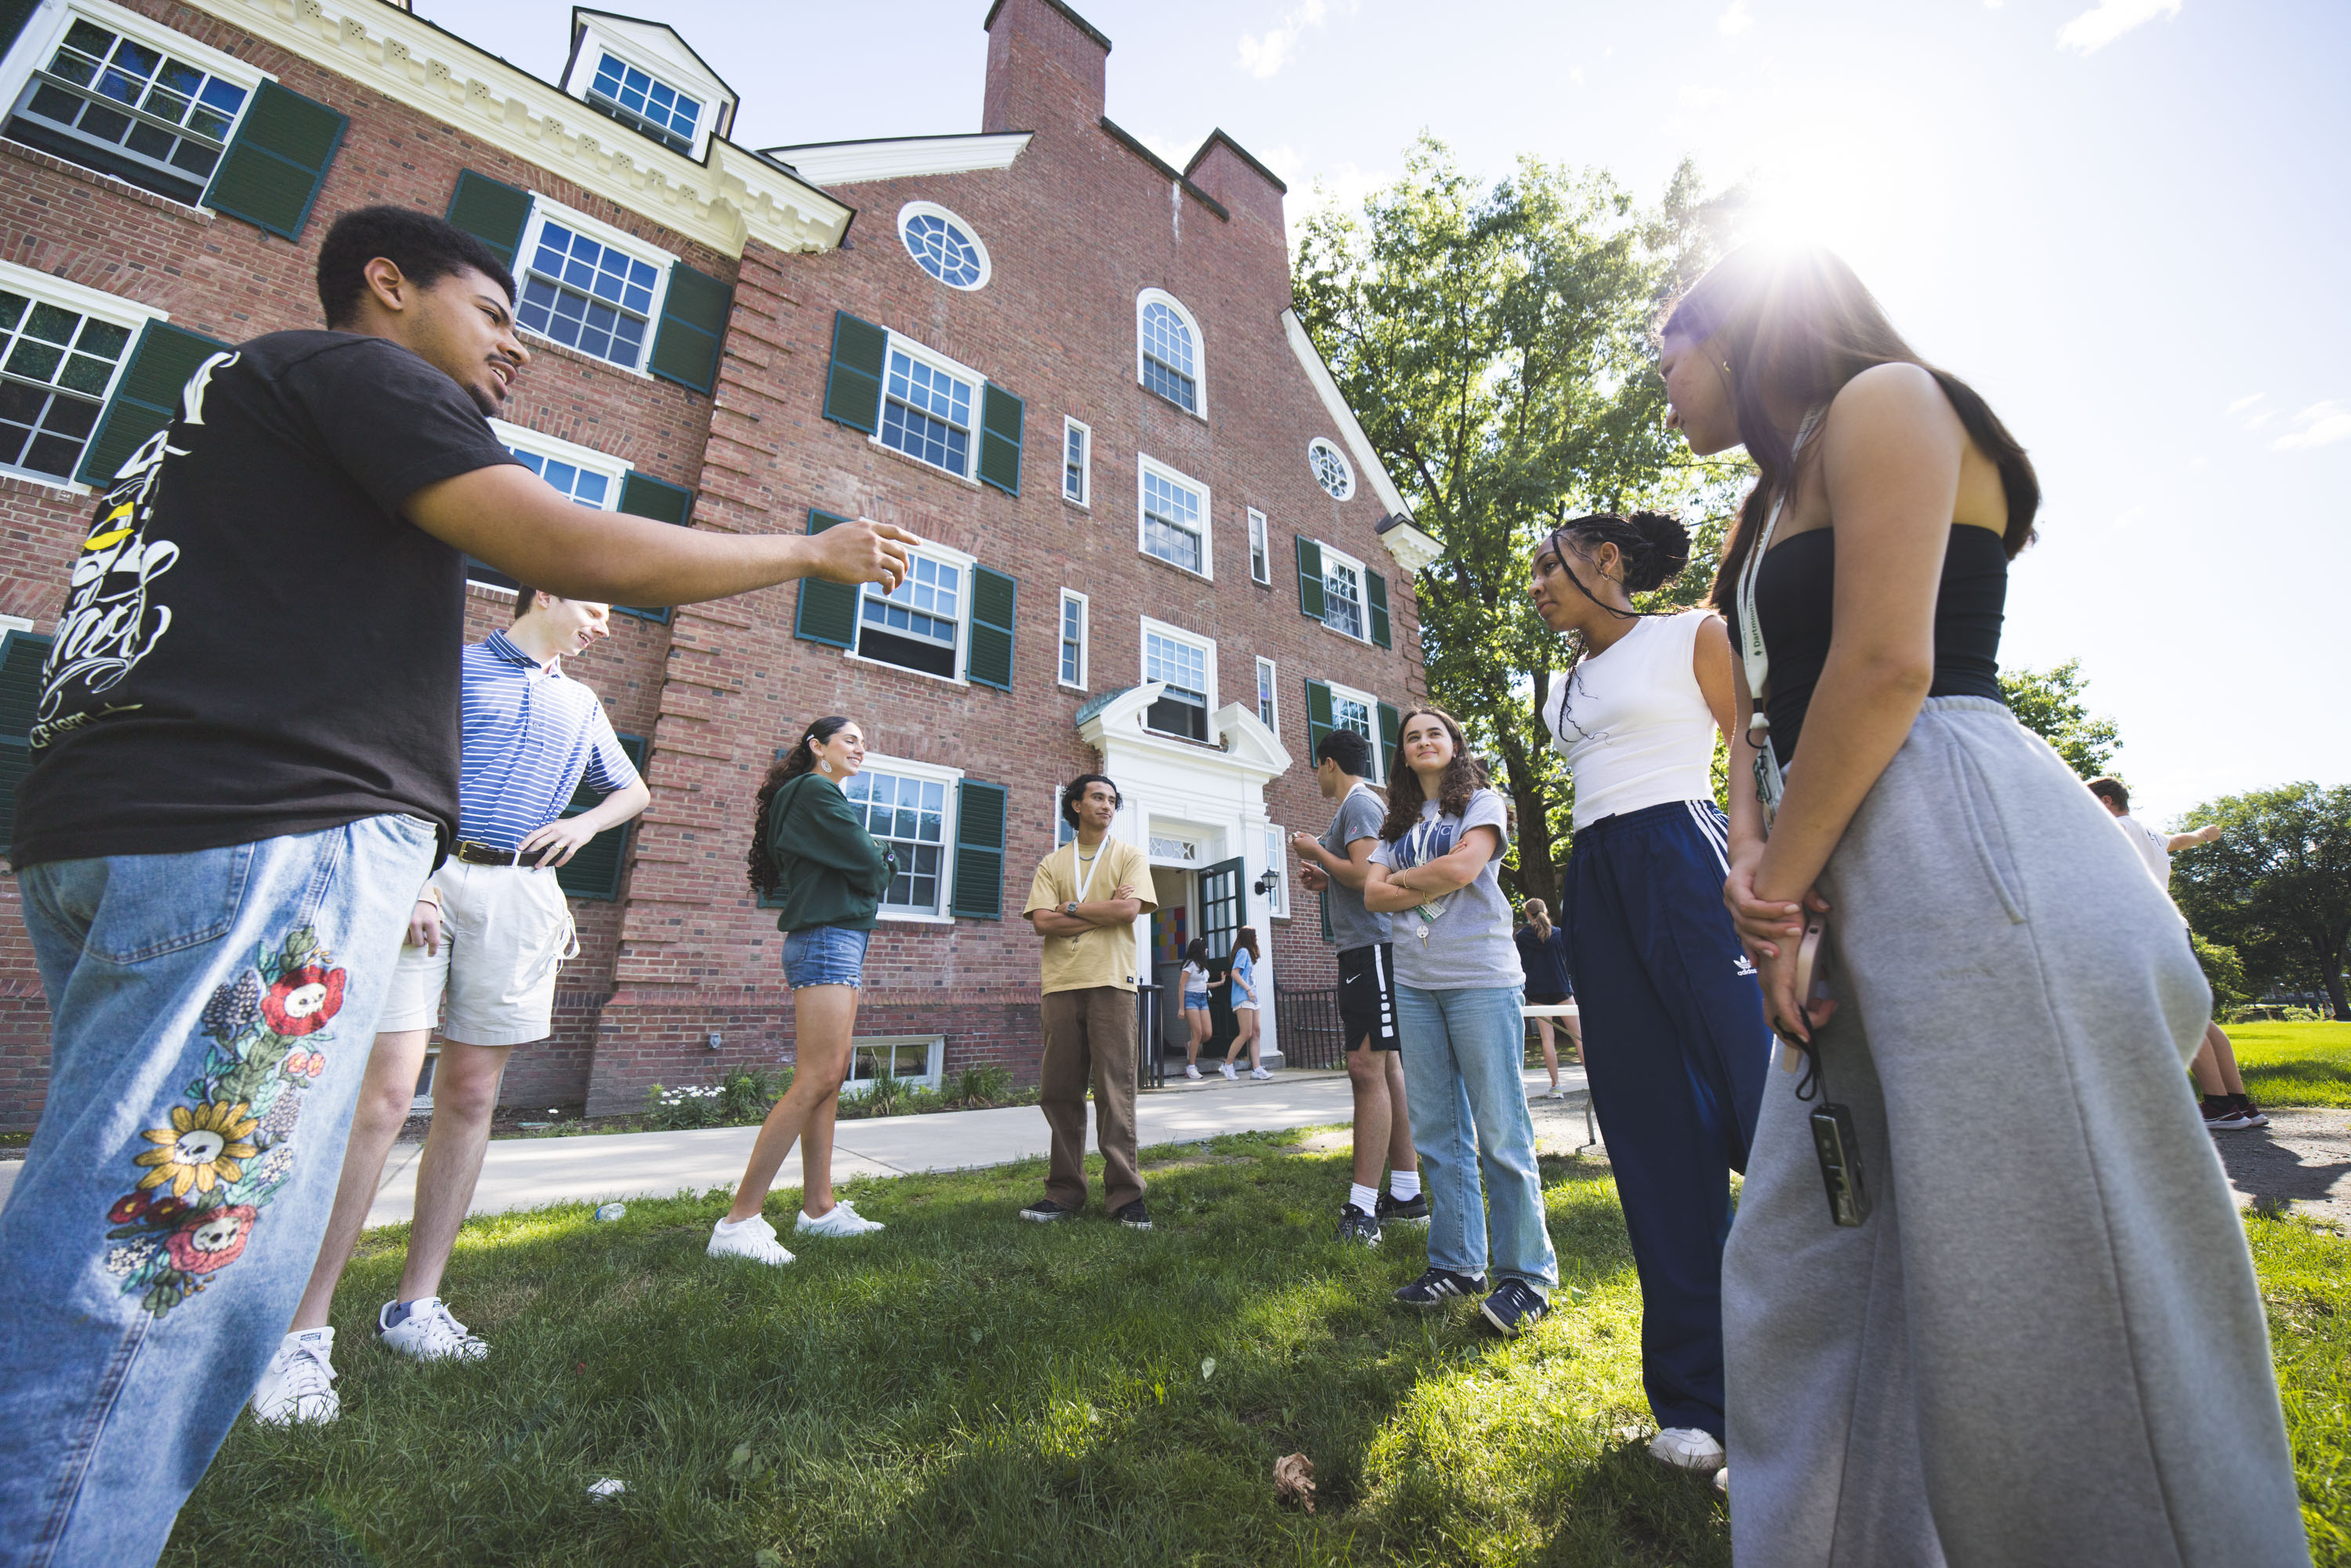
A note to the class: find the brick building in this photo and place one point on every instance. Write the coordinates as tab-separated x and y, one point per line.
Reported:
1156	540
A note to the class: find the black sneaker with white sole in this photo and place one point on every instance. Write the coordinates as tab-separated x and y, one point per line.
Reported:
1394	1210
1134	1216
2221	1115
1354	1225
1513	1308
1439	1286
2253	1115
1044	1211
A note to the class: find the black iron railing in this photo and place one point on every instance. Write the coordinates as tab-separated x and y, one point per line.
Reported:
1306	1025
1150	1030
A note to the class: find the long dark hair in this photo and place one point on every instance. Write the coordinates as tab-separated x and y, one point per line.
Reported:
1197	952
1246	937
1794	324
1653	547
759	867
1463	778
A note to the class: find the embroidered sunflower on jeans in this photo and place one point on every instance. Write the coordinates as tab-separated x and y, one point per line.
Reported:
201	1146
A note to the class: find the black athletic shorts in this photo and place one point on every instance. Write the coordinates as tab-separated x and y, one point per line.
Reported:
1367	996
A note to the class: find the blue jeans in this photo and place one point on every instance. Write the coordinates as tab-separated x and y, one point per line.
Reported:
1461	1055
825	956
168	1216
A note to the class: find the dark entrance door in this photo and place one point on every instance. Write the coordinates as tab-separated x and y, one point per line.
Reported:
1220	922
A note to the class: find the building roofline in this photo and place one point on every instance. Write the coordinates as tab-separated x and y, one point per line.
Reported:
1241	152
862	161
988	24
1128	139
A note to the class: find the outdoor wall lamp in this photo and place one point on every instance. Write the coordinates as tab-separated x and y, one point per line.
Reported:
1268	883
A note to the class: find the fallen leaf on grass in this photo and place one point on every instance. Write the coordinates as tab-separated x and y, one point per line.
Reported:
1293	1482
1208	1367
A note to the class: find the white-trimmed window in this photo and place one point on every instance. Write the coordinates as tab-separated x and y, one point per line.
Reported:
643	101
930	407
588	285
1277	860
944	245
1187	666
923	623
1331	469
582	474
1269	703
915	1060
1077	463
1342	595
1359	711
1072	664
1260	555
62	348
1172	517
646	77
113	91
911	807
1167	358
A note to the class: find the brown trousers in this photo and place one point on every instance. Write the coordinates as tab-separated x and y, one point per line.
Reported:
1089	1038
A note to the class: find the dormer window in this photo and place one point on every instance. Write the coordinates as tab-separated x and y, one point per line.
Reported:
639	99
647	77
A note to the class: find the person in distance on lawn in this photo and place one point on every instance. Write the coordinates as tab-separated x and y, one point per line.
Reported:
245	766
489	937
1241	981
1464	1037
1542	956
1336	866
1083	901
811	850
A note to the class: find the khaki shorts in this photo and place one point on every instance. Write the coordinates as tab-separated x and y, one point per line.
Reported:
504	934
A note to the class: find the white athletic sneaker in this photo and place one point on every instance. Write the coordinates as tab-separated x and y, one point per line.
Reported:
298	1384
1722	1480
839	1220
1688	1448
1191	1070
429	1333
753	1238
1228	1070
1260	1073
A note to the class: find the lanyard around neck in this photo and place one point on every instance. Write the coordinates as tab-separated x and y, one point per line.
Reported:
1091	866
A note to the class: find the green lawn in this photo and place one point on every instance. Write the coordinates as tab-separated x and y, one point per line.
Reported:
969	1389
2294	1064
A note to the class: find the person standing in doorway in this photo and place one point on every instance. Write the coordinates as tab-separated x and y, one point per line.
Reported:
1542	954
811	850
1084	901
1241	982
1336	866
486	941
1196	1017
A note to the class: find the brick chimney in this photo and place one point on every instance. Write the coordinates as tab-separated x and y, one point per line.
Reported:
1045	66
1247	188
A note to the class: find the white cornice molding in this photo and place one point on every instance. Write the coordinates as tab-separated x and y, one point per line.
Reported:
737	195
899	158
1413	547
1251	753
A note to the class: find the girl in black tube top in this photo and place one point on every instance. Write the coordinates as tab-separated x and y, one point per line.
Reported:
2040	1341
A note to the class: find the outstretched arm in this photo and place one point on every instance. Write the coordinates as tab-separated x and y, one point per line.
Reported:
2203	835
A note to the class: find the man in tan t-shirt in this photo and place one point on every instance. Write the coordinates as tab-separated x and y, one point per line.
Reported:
1083	901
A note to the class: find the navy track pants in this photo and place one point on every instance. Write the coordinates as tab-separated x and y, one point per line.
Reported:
1676	1047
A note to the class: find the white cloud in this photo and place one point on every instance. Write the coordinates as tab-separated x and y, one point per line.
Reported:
2243	403
2320	425
1261	55
1694	96
2095	28
1736	20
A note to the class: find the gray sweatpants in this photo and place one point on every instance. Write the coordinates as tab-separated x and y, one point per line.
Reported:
2045	1345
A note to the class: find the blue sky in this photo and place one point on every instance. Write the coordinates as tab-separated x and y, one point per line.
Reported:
2123	220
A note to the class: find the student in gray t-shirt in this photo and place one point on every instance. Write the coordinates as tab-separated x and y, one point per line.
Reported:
1335	867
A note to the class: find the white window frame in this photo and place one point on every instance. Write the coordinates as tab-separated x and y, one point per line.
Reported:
1145	466
1371	712
1363	593
84	301
615	469
1269	679
945	555
1060	638
928	773
1277	860
914	210
899	344
1199	350
930	1080
1085	434
1178	634
1260	549
1324	443
542	211
595	43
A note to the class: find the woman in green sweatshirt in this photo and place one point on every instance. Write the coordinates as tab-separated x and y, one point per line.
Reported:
809	850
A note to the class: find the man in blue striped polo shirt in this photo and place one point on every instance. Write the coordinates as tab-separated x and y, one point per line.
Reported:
487	940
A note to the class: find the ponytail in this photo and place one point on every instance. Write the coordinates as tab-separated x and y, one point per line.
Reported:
759	867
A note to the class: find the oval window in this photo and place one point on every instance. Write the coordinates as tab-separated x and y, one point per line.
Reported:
942	245
1331	469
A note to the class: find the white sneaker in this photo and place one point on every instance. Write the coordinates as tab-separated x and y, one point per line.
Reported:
839	1220
1191	1070
1722	1480
753	1238
298	1384
429	1333
1228	1070
1688	1448
1260	1073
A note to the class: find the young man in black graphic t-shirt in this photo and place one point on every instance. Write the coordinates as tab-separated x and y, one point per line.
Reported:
245	766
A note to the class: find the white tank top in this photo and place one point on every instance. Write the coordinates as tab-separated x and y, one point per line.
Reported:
1635	731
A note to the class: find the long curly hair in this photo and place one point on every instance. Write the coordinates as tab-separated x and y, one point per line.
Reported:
759	867
1464	777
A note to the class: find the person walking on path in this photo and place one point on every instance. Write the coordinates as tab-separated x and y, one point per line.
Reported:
1196	1018
1676	1045
1542	958
1464	1037
245	766
810	849
1241	979
1336	866
484	946
2017	1328
1083	901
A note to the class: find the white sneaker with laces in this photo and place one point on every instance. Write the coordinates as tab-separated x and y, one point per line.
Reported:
1722	1480
839	1220
298	1385
1228	1070
1260	1073
1191	1070
753	1238
1688	1448
429	1333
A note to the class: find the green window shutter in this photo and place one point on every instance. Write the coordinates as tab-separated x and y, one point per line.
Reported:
644	496
22	654
1318	718
980	851
852	387
274	166
828	611
693	322
999	439
595	870
13	15
1375	589
1310	578
1390	733
146	397
491	211
989	662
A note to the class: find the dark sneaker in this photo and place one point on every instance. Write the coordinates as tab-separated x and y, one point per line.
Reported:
1513	1308
1044	1211
1354	1225
1438	1287
2253	1115
1394	1210
1134	1216
2220	1114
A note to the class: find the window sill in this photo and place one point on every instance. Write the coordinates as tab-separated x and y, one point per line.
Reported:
1200	415
1076	506
107	181
911	918
1350	636
855	657
1172	566
1066	686
924	464
46	481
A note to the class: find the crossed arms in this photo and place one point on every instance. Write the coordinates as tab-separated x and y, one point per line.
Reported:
1119	909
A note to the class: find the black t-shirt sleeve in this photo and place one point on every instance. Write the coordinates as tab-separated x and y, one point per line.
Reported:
390	420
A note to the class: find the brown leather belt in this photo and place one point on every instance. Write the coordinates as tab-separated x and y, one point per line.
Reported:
482	855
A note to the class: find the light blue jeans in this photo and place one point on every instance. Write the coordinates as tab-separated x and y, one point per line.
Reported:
1462	1051
168	1215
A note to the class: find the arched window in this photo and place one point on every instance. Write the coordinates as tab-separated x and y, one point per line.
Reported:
1167	349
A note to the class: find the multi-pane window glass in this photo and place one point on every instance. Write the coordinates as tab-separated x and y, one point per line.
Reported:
1261	565
1266	712
1073	462
128	108
1351	712
927	414
1073	640
944	251
1171	521
1183	707
905	1060
910	816
1277	848
1342	597
916	623
1167	356
1330	470
654	106
55	367
588	295
584	486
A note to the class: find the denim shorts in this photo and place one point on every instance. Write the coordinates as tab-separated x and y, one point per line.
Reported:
825	956
1195	1000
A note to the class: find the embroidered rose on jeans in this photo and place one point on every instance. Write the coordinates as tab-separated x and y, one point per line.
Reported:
303	1000
211	1239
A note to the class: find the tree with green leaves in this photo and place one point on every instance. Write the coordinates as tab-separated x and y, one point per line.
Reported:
2049	703
1496	343
2276	885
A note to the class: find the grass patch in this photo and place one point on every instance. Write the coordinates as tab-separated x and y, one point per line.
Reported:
2294	1064
2306	1274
